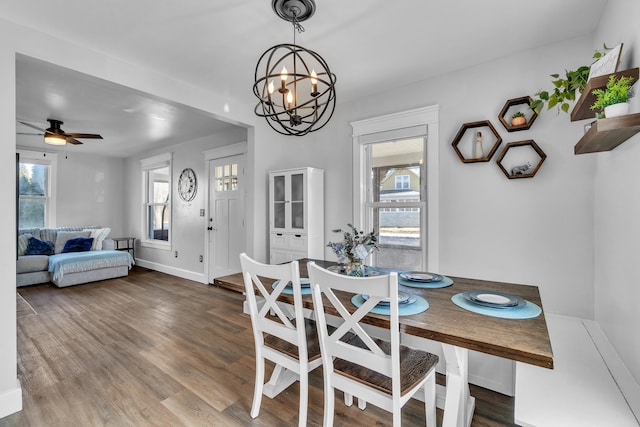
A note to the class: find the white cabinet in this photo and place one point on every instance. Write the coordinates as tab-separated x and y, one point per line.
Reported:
296	214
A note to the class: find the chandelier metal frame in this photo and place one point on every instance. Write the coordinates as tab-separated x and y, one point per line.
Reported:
302	100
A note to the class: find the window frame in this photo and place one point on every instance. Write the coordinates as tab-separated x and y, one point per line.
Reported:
50	160
147	165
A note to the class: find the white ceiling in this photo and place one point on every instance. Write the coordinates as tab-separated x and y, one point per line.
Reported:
371	45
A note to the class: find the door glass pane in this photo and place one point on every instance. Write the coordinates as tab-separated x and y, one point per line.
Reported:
278	214
278	188
297	189
297	215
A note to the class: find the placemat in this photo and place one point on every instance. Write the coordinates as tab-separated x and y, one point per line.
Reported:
419	306
527	311
305	290
446	281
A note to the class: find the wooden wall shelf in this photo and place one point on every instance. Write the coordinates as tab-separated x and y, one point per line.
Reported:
505	118
535	165
607	134
497	139
582	110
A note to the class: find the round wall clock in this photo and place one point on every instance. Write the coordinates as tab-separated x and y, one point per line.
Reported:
187	185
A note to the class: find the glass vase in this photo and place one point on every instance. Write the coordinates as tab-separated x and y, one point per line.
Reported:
355	268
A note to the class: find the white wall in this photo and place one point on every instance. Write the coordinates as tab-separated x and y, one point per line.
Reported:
90	191
188	233
535	231
617	206
10	393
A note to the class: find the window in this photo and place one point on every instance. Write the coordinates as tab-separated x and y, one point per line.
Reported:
36	189
156	177
403	143
402	182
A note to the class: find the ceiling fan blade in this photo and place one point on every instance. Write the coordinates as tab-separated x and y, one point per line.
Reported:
83	135
26	133
32	126
71	140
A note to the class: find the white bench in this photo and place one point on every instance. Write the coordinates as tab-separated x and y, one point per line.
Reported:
579	391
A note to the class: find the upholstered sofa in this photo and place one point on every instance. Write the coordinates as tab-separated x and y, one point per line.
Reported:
54	264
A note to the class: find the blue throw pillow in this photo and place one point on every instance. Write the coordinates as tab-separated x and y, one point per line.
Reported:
38	247
79	244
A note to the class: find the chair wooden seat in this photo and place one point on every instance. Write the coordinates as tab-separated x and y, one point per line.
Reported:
415	365
291	350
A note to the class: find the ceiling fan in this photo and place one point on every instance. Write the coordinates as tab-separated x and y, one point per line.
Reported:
54	134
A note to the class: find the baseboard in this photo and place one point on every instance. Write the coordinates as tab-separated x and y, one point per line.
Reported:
622	376
11	400
185	274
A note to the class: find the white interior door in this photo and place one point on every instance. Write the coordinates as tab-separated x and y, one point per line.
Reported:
226	215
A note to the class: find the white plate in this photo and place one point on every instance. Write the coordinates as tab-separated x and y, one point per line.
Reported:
493	298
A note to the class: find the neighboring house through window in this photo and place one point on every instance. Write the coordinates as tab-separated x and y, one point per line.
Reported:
156	178
36	189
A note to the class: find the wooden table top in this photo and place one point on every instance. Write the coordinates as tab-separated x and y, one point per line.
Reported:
523	340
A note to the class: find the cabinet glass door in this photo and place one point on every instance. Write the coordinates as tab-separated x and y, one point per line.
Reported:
297	201
279	201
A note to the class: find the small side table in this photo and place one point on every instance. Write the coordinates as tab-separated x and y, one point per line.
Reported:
128	245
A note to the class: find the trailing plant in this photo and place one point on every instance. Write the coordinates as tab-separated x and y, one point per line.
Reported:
616	92
565	88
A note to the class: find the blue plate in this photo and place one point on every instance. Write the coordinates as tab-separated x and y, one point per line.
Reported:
493	299
421	276
402	299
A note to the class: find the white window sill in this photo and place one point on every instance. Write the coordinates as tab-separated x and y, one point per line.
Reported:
156	245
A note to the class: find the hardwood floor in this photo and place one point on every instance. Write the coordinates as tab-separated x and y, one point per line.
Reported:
156	350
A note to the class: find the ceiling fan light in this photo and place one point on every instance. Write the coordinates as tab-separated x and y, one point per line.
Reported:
53	139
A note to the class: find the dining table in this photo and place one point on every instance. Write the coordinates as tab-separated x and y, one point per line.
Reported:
457	329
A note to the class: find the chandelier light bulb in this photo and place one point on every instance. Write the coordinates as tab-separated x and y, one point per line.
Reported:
283	74
271	87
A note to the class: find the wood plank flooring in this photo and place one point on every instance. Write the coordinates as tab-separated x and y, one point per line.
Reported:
156	350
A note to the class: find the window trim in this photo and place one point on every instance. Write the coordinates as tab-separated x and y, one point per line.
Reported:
147	164
51	160
417	122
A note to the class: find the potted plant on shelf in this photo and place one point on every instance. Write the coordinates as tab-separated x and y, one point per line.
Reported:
518	119
567	88
614	99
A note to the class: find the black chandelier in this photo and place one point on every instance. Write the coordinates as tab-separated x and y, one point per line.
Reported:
295	87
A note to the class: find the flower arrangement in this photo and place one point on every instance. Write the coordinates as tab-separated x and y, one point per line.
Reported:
355	246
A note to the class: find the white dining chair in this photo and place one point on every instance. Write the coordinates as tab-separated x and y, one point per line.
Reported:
383	373
291	344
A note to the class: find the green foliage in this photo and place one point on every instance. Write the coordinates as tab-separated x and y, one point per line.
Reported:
517	114
565	88
617	91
